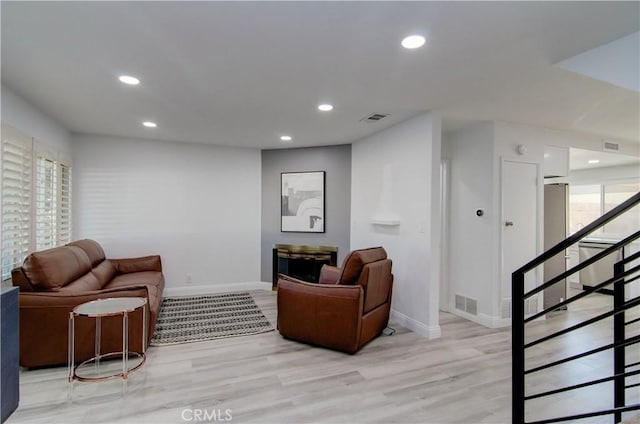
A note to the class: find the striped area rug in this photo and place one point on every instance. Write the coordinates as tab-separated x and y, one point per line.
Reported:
207	317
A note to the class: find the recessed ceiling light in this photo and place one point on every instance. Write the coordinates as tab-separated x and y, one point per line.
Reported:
149	124
285	138
325	107
413	41
128	79
593	161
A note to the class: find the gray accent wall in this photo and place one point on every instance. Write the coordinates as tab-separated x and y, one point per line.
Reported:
336	162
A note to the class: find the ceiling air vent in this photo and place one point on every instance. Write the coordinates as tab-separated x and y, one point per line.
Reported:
375	117
610	146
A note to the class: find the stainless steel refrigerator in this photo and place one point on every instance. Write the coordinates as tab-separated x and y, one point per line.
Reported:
556	218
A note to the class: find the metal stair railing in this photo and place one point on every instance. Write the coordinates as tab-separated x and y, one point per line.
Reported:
624	273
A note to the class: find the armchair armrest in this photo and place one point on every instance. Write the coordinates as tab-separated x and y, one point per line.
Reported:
329	274
145	263
327	315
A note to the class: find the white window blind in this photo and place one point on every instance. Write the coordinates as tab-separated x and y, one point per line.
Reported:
64	204
17	158
45	211
35	196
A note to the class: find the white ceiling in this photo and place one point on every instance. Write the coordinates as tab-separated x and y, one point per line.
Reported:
579	159
244	73
617	62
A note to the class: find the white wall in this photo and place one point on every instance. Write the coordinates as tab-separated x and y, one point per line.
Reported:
410	152
473	271
198	206
509	135
476	154
18	113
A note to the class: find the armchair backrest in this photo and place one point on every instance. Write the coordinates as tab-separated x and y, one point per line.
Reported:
371	269
356	260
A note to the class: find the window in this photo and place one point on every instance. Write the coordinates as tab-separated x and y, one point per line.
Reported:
16	199
45	203
627	223
588	202
584	201
36	198
64	203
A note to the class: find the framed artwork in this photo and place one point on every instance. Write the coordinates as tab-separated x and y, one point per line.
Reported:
302	202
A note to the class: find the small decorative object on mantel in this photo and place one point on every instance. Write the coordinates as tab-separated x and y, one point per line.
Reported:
384	214
302	202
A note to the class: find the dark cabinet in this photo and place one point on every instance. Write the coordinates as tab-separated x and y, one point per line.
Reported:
9	348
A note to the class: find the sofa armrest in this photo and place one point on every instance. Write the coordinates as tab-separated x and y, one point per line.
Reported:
62	299
44	323
327	315
329	274
145	263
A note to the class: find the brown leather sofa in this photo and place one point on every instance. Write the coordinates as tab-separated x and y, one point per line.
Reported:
54	281
347	308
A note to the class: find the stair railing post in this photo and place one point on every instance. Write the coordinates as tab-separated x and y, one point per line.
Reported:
618	337
517	346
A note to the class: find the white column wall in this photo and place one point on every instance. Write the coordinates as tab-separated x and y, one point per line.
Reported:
473	271
407	156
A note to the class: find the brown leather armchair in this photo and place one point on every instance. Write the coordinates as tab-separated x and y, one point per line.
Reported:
347	308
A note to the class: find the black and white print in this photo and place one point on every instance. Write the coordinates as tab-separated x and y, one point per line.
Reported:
302	197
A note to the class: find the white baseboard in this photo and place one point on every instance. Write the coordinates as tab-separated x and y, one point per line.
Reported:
483	319
190	289
430	332
446	308
575	285
494	322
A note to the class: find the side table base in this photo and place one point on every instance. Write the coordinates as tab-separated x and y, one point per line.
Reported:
90	367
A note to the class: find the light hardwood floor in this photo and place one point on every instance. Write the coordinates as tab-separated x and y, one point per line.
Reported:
463	377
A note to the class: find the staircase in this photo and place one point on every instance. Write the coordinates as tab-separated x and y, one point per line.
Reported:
550	387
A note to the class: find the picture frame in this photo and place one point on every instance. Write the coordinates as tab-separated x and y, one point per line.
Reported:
302	202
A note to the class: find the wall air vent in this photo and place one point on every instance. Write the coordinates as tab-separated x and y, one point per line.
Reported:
610	146
467	304
375	117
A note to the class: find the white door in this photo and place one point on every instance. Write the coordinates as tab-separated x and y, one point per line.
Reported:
519	221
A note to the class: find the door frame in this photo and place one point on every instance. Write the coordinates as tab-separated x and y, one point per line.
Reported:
539	228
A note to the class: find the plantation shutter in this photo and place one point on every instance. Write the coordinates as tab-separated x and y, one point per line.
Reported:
64	205
16	172
45	208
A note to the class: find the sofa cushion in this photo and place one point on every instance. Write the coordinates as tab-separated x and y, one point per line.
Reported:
53	268
145	278
104	272
353	264
92	249
86	283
